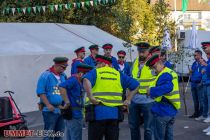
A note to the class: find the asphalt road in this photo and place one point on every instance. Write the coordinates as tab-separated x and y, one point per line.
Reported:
184	128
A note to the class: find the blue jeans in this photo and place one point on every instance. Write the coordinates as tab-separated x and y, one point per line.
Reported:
54	122
197	99
206	100
163	127
73	129
134	116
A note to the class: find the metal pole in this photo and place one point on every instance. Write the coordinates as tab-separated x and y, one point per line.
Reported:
183	89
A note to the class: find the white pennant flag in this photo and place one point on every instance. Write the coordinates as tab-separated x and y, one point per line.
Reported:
99	1
34	8
91	3
107	1
24	10
75	5
56	7
66	6
83	4
44	8
166	44
13	11
114	1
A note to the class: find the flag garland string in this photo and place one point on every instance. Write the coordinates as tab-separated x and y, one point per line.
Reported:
55	7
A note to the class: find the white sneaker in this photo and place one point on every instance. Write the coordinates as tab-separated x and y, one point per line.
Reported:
207	120
206	130
208	133
200	118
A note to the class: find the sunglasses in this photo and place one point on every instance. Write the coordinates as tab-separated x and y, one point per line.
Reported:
121	57
63	67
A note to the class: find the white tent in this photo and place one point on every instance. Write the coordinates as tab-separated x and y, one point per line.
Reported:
27	49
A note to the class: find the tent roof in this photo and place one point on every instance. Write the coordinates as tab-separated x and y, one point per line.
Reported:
51	38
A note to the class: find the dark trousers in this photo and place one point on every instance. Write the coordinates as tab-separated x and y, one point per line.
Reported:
53	121
105	128
163	128
134	120
197	94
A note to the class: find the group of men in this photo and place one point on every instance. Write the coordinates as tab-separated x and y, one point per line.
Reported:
200	85
151	89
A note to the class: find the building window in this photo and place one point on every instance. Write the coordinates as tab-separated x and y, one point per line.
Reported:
187	16
208	23
199	15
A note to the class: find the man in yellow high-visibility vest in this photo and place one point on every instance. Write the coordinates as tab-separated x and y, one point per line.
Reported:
104	86
165	91
141	104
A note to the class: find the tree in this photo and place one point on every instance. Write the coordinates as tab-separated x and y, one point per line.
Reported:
131	20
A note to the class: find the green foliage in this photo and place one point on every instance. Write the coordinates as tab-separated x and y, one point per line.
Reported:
131	20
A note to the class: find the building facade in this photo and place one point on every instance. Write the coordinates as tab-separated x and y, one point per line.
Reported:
196	12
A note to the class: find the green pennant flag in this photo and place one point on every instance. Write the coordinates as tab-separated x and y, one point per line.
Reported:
103	2
39	8
60	7
18	9
29	10
78	5
184	5
7	10
51	8
87	3
69	5
110	1
95	2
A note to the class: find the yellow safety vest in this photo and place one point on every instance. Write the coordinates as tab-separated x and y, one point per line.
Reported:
108	89
174	96
146	78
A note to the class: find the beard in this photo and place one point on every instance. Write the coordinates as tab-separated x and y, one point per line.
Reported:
141	58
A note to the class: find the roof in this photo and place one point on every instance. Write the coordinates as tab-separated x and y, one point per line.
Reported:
51	38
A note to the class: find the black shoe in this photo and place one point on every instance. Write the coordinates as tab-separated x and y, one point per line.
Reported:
193	116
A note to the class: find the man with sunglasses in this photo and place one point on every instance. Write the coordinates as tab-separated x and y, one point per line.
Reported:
141	104
72	92
124	66
50	99
107	53
90	60
165	91
80	52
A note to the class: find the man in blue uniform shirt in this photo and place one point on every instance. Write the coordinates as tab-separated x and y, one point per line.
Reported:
196	77
80	52
71	91
163	58
107	52
140	106
50	99
206	85
124	66
165	91
90	60
104	86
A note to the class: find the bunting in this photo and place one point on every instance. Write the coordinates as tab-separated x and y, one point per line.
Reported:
54	7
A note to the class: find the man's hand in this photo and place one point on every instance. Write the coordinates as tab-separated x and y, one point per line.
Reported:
127	102
203	71
202	62
50	107
66	106
93	100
